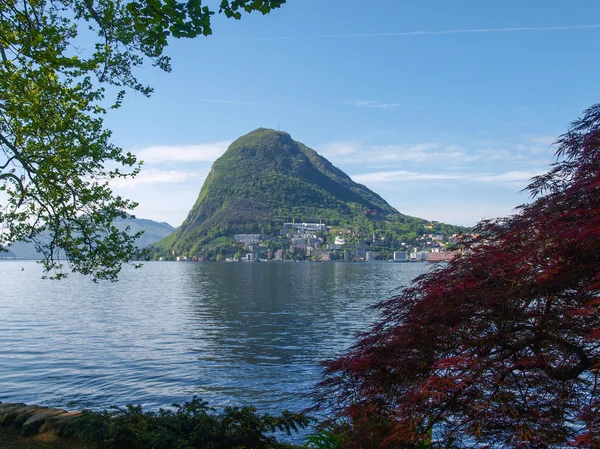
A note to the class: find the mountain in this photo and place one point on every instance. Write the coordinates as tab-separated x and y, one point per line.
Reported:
266	178
153	232
7	255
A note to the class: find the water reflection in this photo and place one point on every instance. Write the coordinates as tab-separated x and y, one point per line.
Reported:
231	333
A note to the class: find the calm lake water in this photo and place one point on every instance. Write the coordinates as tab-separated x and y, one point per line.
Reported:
231	333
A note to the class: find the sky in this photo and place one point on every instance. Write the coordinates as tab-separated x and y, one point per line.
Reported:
445	108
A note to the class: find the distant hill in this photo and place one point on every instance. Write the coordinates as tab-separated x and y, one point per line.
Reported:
153	232
266	178
7	255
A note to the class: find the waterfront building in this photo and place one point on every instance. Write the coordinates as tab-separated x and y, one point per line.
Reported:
360	254
400	256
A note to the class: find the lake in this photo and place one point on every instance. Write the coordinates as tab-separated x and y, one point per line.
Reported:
231	333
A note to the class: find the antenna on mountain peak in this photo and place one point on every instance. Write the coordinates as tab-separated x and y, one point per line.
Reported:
278	123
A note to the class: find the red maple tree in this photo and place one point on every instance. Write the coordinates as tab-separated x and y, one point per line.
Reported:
501	346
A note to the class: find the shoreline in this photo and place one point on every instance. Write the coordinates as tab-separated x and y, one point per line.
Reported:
37	427
36	419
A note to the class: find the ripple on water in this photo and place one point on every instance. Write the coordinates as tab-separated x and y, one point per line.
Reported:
229	333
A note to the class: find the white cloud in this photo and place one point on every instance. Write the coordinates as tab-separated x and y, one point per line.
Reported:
374	104
353	152
508	177
524	151
154	176
404	176
338	149
498	154
206	152
543	140
436	32
418	153
463	31
399	176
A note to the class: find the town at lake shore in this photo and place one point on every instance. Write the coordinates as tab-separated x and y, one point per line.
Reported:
318	242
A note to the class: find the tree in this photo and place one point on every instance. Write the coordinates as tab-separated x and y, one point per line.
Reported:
56	158
500	347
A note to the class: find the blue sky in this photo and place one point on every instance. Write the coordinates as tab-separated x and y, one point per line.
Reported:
445	108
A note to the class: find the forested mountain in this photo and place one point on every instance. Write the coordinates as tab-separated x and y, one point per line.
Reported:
153	231
264	179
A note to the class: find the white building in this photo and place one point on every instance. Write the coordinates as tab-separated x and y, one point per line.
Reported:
304	227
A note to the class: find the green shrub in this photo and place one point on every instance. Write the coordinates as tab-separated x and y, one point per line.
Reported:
191	425
325	439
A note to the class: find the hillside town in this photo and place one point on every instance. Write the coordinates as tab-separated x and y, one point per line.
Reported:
321	243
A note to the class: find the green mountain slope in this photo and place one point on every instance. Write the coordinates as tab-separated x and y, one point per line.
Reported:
268	173
266	178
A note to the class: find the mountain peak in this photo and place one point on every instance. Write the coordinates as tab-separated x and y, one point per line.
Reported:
264	138
266	178
263	132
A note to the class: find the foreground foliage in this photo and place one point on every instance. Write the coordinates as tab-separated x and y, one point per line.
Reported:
56	157
191	425
501	347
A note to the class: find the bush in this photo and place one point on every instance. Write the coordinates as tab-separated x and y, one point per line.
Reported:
191	425
501	347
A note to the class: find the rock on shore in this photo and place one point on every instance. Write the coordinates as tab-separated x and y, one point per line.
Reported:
34	419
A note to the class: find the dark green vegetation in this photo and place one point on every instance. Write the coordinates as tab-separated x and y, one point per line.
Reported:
191	425
265	179
56	157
